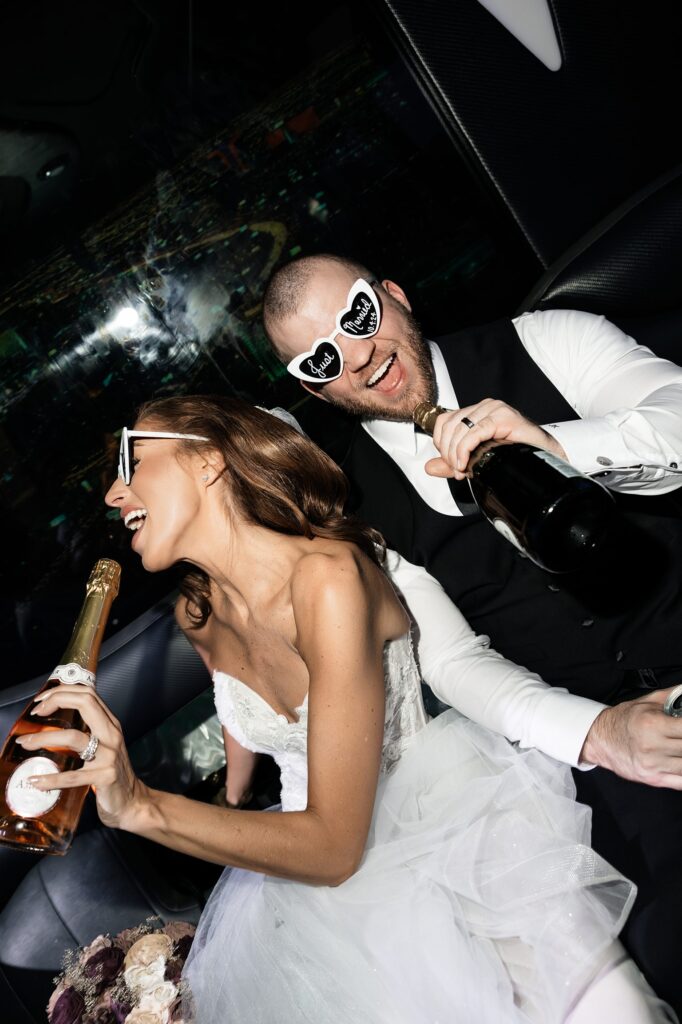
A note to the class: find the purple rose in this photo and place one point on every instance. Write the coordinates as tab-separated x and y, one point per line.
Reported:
183	946
120	1010
173	971
99	943
104	965
69	1008
100	1015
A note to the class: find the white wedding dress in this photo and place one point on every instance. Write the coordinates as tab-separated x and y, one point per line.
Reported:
478	901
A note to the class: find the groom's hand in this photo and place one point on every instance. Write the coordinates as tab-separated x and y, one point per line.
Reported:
493	420
637	741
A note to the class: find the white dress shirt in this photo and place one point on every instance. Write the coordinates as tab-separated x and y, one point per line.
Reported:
630	404
463	671
629	401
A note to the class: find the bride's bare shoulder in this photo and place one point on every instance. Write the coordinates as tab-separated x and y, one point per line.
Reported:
335	564
343	578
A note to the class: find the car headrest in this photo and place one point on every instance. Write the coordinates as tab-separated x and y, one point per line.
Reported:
629	265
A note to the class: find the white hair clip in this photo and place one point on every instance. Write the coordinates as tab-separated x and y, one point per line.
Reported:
282	414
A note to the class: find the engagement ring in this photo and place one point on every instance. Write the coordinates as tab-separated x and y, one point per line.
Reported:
90	750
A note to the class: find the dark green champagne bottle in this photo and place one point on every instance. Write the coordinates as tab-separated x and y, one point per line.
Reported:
549	510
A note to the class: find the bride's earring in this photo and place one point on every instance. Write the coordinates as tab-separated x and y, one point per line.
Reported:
205	476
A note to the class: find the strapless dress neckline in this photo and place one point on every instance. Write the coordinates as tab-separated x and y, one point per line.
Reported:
219	674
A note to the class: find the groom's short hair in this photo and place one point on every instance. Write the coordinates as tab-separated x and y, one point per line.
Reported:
288	286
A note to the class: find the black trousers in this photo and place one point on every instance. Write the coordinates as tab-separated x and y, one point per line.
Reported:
638	829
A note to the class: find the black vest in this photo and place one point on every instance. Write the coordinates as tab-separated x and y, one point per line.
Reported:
586	631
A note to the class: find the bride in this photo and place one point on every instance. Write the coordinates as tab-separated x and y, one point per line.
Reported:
421	871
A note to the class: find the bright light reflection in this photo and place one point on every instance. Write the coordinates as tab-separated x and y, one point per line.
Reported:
126	318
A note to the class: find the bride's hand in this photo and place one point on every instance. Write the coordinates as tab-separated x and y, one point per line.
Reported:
110	773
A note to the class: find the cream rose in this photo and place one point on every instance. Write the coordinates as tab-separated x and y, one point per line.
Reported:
148	948
138	1016
143	977
159	998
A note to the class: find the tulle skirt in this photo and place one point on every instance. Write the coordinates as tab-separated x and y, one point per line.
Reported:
479	900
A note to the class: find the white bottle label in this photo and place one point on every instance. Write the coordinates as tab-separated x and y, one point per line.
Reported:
73	673
562	467
23	798
508	534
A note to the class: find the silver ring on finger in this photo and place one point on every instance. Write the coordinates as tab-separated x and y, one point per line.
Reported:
88	752
673	703
467	422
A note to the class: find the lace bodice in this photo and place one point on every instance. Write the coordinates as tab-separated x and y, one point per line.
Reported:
256	725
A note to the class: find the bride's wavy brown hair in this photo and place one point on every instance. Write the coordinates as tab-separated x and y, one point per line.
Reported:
276	477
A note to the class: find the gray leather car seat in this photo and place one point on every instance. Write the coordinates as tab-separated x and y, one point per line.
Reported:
108	880
628	267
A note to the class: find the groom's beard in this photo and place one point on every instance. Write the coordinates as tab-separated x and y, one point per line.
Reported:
422	387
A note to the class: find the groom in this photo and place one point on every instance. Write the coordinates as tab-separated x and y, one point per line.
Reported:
607	406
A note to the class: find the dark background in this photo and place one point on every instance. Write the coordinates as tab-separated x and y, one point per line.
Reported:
158	158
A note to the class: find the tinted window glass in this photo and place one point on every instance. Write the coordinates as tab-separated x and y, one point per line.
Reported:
209	145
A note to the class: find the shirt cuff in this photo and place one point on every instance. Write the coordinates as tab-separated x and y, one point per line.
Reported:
561	724
592	445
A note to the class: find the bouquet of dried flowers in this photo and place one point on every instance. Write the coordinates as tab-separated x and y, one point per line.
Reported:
133	978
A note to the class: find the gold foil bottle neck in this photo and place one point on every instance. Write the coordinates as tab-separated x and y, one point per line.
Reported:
105	577
425	415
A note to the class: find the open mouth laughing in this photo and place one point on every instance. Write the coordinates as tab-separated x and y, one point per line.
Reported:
134	519
381	372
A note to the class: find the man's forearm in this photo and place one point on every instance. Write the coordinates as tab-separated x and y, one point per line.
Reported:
465	673
628	401
508	699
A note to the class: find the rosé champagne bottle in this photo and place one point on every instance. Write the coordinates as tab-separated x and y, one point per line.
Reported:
44	821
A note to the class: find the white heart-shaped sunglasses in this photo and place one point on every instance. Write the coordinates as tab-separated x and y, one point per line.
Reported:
359	318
